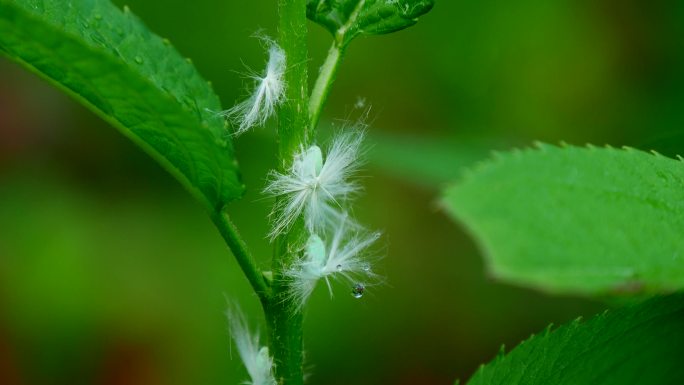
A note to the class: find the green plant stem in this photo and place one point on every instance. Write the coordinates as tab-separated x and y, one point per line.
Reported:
294	131
324	82
286	336
328	73
244	258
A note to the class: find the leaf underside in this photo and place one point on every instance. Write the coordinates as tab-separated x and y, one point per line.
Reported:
640	344
595	221
346	19
109	61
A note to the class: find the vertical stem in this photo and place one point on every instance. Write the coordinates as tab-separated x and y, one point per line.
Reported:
294	131
286	341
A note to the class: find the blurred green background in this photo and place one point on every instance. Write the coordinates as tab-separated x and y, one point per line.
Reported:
111	274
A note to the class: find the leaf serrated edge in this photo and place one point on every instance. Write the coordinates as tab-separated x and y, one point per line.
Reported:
579	322
497	156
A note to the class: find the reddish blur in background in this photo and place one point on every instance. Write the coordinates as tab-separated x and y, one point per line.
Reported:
110	274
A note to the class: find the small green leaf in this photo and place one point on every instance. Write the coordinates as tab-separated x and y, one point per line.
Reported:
596	221
346	19
110	62
641	344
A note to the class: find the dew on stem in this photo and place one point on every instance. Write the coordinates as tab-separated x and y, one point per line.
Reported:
343	258
358	290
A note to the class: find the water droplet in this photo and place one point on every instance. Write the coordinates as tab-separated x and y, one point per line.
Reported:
357	290
339	267
366	267
138	60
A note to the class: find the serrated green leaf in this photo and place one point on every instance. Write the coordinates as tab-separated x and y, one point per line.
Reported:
595	221
346	19
110	62
640	344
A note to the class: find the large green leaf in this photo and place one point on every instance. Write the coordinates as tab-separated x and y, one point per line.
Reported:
641	344
579	220
346	19
110	62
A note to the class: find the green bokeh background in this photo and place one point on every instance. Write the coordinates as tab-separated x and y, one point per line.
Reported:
111	274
